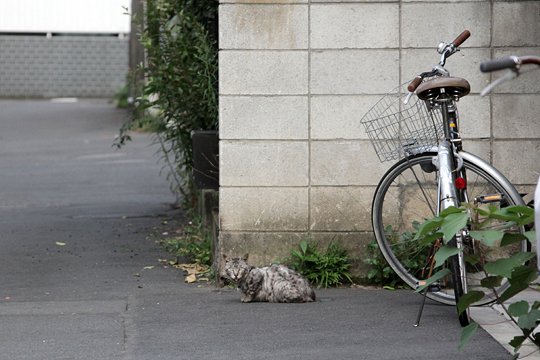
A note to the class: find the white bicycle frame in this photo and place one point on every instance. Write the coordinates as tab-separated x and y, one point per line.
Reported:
447	196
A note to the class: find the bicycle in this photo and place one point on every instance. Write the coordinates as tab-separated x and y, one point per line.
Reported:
514	66
419	127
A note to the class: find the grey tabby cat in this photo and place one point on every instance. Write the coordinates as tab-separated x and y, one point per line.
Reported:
274	283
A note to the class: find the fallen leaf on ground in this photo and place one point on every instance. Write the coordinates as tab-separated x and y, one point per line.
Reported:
191	268
193	272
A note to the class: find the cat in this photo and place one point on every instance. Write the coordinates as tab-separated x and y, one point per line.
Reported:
274	283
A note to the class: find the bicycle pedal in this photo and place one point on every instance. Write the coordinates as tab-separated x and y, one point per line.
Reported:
491	198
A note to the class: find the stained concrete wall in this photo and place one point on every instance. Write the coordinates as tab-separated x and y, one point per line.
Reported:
296	76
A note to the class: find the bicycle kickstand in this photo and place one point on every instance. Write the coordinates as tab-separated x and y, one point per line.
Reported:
424	296
432	287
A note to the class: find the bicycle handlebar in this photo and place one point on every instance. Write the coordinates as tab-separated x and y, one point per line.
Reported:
414	84
461	38
510	62
446	52
499	64
513	63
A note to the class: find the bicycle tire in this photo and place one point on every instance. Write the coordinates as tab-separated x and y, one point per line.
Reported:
407	193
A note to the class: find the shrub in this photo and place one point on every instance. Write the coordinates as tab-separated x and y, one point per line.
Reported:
193	245
412	255
323	269
179	88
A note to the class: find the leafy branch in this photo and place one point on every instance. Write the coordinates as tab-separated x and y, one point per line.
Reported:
176	88
490	228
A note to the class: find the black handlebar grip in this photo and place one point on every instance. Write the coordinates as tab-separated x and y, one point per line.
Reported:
414	84
498	64
461	38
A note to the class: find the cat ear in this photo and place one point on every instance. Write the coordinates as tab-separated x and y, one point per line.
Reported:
245	257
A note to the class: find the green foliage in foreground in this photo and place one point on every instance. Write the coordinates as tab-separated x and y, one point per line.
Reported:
514	268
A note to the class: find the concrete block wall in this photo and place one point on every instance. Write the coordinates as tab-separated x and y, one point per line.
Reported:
62	66
296	76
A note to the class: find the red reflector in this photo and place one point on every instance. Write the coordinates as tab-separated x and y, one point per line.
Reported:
461	183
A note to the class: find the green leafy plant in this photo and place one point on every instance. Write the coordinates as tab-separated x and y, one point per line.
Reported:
176	88
121	98
514	268
324	269
193	245
410	252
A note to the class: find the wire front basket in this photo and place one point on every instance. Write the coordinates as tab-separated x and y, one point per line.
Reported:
398	129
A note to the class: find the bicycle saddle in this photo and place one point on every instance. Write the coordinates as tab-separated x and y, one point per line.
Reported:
453	86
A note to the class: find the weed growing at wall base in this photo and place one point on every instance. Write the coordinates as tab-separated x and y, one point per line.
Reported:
322	268
406	248
191	250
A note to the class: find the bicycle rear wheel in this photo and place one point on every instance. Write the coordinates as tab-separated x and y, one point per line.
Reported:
407	196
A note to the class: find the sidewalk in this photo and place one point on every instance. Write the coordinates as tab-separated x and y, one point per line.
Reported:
80	276
494	320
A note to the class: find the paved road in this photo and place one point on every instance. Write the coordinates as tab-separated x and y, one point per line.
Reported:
76	225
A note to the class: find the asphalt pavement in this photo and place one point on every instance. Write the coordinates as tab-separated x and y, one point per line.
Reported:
80	276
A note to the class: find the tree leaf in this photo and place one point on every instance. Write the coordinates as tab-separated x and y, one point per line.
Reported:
451	210
523	274
512	291
466	334
519	281
512	238
517	341
529	321
531	235
428	226
436	277
518	308
520	209
468	299
504	267
444	253
429	238
453	223
491	282
488	237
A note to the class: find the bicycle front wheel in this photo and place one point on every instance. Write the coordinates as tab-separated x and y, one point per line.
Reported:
407	196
